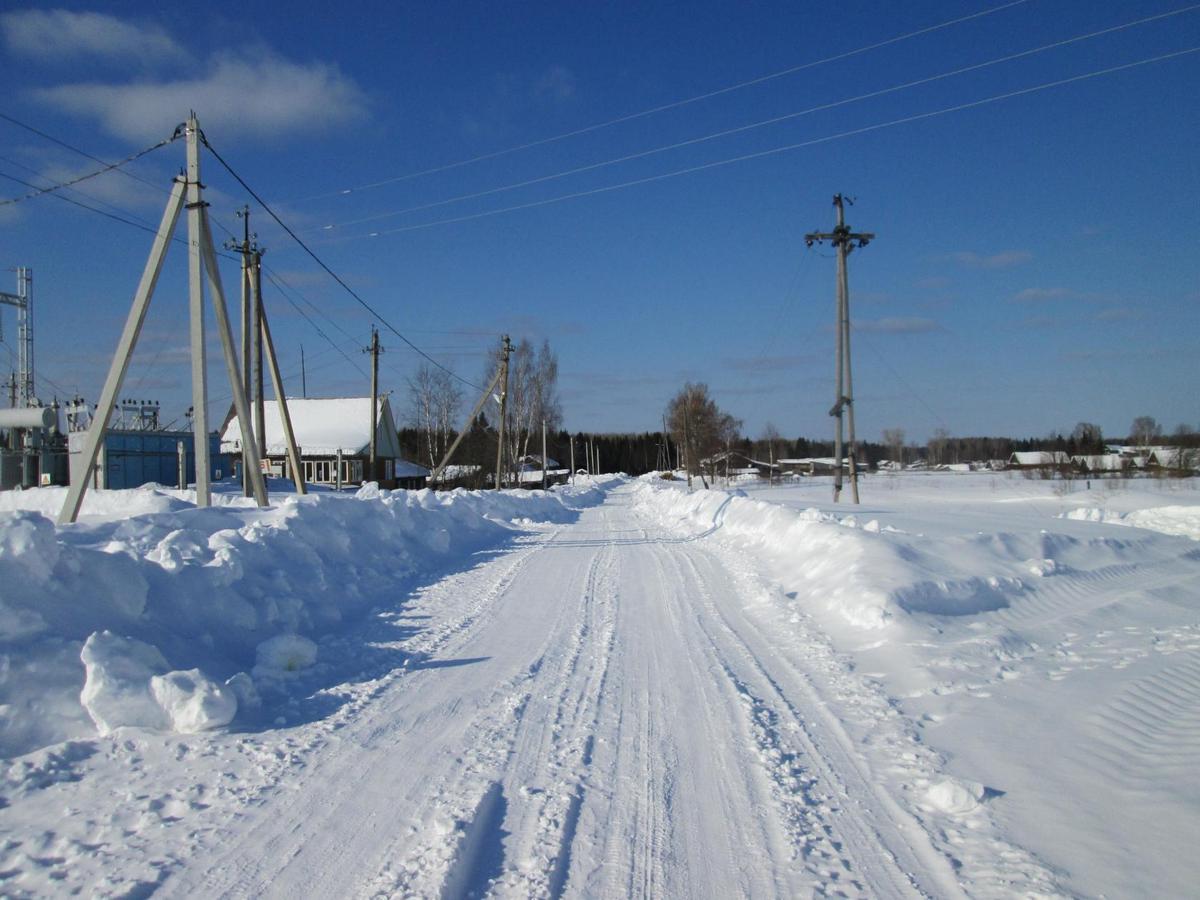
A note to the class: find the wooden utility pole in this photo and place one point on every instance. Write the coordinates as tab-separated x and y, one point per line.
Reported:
246	248
257	317
505	352
374	349
843	240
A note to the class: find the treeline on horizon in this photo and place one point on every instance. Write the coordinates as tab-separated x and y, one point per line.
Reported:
638	453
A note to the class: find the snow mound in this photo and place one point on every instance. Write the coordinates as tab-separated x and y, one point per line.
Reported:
116	690
955	797
284	655
160	609
825	556
1183	521
192	702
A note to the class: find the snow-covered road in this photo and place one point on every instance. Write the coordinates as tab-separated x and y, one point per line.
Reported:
596	716
972	686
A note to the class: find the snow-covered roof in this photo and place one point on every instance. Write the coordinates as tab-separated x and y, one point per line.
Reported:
1103	462
1174	458
1040	458
322	427
406	469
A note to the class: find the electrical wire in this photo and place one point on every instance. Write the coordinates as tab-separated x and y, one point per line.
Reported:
81	205
152	230
64	144
74	181
327	269
674	104
774	120
866	129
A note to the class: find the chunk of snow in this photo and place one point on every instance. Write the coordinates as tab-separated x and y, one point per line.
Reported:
192	702
282	655
955	797
116	688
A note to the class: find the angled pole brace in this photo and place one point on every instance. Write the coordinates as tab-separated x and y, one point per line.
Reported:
120	362
487	392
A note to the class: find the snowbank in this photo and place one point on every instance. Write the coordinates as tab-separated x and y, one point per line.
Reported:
150	612
1178	520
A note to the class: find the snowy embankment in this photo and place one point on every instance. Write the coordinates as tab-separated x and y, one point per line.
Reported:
1043	666
150	612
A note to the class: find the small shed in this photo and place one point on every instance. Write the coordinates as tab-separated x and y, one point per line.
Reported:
330	431
129	459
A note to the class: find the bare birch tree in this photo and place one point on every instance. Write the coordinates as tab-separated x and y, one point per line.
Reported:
532	396
434	402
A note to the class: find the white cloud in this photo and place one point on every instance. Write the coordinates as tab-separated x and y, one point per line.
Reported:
1038	295
58	35
898	325
557	83
262	97
1005	260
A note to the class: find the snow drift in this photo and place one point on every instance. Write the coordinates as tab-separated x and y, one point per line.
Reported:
165	615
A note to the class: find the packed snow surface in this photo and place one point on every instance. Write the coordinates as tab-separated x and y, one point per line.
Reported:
970	684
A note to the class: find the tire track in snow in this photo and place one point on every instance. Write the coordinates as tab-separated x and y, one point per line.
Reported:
1150	733
927	842
675	808
546	771
300	834
835	844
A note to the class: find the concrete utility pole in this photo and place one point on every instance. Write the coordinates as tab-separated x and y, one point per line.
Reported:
505	352
374	349
543	454
843	240
202	260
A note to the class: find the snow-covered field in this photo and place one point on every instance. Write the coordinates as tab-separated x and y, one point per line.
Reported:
971	684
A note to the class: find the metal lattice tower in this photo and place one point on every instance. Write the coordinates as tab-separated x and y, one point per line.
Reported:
23	301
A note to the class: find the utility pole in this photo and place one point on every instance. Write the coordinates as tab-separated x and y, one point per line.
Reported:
303	375
251	340
843	240
186	194
505	352
543	454
374	349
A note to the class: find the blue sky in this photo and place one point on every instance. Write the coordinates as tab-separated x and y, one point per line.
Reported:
1035	263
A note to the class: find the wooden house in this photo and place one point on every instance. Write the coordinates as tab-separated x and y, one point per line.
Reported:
334	439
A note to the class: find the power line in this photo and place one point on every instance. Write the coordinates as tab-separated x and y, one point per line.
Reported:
149	229
107	168
774	120
904	120
64	144
674	104
332	274
81	205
